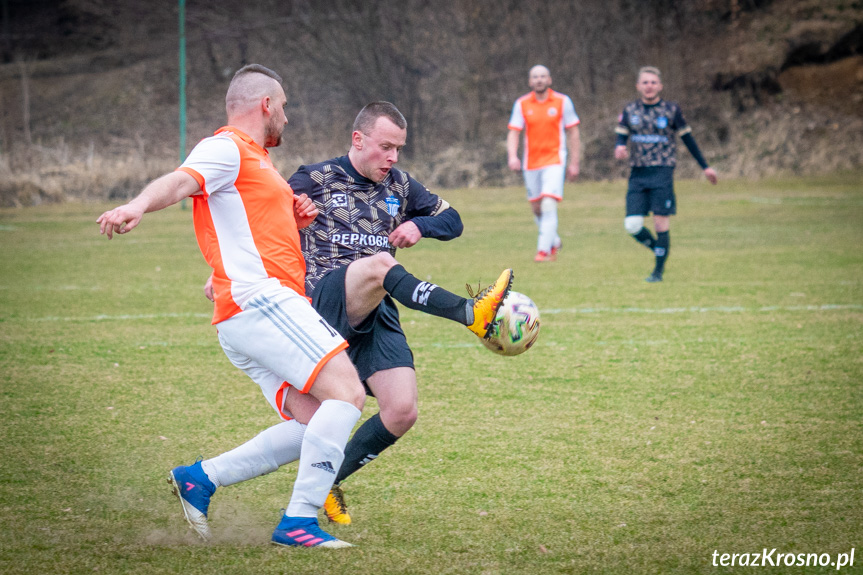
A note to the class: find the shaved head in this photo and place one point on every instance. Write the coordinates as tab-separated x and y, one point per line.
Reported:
539	80
248	86
539	69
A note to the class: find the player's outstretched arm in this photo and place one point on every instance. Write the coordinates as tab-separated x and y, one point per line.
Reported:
159	194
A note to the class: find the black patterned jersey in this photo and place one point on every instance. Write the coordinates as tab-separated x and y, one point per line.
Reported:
652	128
356	215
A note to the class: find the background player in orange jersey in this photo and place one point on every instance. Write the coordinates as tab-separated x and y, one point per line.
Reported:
550	126
246	221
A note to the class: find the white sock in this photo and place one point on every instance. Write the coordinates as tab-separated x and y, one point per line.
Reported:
321	456
264	453
547	225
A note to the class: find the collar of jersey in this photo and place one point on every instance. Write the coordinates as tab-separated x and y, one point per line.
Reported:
243	136
347	166
547	98
658	102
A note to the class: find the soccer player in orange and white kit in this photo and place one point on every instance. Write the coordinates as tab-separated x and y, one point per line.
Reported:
246	220
550	125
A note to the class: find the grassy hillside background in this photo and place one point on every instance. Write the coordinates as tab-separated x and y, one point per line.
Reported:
89	98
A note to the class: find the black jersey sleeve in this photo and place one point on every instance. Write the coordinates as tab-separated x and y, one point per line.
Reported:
446	225
301	182
434	217
685	133
689	141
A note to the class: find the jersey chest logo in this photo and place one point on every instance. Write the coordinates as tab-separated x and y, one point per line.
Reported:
339	201
661	122
392	206
552	112
634	120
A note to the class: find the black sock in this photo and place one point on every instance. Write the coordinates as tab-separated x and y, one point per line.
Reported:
663	244
368	441
645	238
426	297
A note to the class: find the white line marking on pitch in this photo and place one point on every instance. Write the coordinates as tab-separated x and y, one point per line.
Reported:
122	317
586	310
720	309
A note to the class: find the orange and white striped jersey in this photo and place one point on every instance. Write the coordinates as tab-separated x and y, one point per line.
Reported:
544	124
244	221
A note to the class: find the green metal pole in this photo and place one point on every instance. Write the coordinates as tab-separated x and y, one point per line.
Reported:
182	24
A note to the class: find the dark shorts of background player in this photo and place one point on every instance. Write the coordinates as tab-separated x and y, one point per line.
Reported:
651	189
378	343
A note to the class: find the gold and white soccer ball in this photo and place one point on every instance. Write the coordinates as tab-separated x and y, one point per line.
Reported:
516	326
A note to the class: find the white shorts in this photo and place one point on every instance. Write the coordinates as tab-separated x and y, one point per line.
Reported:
545	182
279	340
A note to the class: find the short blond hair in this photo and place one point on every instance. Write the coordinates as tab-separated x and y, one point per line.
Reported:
650	70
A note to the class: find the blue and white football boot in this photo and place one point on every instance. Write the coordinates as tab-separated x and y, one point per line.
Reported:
194	489
305	532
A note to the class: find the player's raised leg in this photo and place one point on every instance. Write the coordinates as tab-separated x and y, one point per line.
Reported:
368	279
634	226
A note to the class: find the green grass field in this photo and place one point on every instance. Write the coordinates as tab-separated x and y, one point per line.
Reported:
651	425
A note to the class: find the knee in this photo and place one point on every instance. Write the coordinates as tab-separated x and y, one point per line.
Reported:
536	207
399	417
356	395
548	205
353	393
381	264
633	224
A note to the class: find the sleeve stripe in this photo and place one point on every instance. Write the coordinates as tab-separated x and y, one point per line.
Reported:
443	206
621	130
198	177
684	131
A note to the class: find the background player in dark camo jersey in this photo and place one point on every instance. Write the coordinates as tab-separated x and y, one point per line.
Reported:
651	124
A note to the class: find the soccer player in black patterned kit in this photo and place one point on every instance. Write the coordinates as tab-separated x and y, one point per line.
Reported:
651	124
367	209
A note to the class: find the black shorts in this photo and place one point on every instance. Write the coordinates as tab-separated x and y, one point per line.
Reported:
378	343
651	190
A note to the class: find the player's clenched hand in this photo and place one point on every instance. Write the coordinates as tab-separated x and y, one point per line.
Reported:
710	174
572	172
208	289
120	220
514	164
305	210
405	236
621	153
